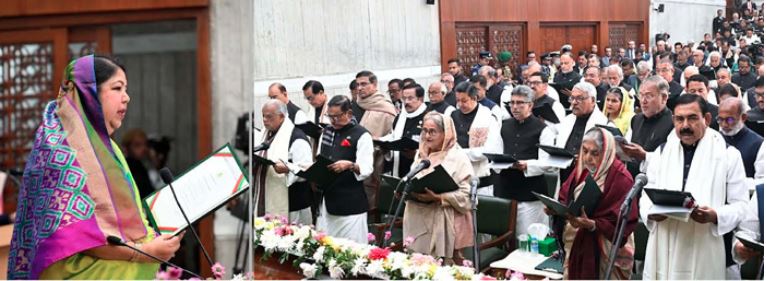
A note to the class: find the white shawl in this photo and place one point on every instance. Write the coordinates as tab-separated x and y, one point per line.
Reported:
690	250
564	128
276	193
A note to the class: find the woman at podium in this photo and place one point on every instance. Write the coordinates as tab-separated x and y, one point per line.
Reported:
431	219
77	189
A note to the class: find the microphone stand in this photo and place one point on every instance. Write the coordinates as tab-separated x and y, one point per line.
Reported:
617	238
405	191
474	207
191	227
118	242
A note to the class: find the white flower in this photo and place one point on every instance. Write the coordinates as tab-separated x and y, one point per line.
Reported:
286	243
375	269
398	260
269	240
336	272
319	254
309	270
443	273
464	271
303	232
359	265
238	277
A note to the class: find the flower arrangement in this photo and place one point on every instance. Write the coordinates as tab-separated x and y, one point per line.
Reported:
316	252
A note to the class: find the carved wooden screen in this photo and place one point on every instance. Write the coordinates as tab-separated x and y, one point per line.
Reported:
621	33
580	36
473	38
29	69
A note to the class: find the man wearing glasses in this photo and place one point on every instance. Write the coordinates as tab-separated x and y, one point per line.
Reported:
755	115
731	120
697	85
519	137
666	70
343	213
584	116
651	127
449	83
535	81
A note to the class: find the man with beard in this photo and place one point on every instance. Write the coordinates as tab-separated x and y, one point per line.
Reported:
755	115
456	69
744	77
731	120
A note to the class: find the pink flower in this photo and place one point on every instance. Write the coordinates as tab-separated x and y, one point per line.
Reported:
487	277
467	263
387	235
408	241
319	236
162	275
218	270
508	274
174	273
378	253
518	276
370	237
268	217
283	220
420	259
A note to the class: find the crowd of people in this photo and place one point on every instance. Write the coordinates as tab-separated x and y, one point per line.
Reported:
687	116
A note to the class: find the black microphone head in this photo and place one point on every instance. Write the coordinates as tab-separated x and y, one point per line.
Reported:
166	175
114	240
426	163
642	179
266	145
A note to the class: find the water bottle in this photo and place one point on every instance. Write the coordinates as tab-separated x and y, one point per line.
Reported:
534	246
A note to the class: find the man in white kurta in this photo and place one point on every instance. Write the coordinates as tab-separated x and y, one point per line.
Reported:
284	193
695	159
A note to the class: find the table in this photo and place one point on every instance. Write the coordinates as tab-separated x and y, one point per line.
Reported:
525	263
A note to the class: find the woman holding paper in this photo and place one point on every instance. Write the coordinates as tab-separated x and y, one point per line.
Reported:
444	221
587	239
77	189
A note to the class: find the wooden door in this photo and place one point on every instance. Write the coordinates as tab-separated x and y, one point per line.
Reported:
621	33
473	38
581	37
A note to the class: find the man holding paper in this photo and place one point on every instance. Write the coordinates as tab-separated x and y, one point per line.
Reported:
408	125
283	193
695	159
343	213
518	138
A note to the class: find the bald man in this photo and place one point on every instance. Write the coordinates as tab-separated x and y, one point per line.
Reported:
566	76
277	91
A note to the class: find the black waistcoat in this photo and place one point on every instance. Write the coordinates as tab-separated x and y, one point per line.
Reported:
346	195
299	193
520	141
292	109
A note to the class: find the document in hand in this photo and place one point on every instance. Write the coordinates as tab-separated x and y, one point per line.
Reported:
319	173
397	145
500	161
438	181
258	160
749	243
558	157
563	86
589	199
201	190
671	203
615	132
546	112
311	129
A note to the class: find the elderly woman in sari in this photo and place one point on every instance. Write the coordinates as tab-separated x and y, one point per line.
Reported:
438	220
587	240
77	189
618	108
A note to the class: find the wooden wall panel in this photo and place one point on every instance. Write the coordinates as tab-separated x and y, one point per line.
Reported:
15	8
538	17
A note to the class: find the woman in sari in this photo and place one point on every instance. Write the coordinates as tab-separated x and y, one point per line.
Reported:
77	189
588	240
438	221
618	108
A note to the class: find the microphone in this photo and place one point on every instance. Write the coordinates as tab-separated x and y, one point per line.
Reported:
167	177
263	146
421	166
638	186
117	241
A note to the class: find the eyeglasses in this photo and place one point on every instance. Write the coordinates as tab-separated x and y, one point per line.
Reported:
647	97
728	120
515	102
681	119
533	83
447	81
334	118
578	99
430	132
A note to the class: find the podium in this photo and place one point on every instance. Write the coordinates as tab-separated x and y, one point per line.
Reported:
6	232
